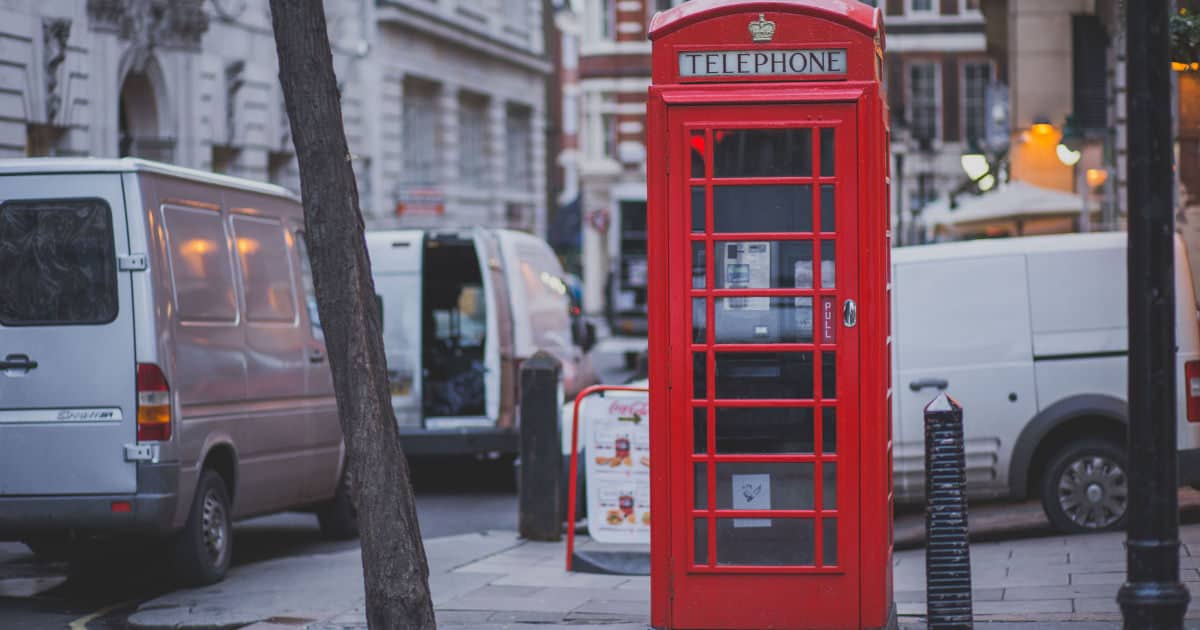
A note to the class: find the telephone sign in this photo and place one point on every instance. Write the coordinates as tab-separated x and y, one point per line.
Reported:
769	317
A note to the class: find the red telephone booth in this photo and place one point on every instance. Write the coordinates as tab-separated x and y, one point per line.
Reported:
769	316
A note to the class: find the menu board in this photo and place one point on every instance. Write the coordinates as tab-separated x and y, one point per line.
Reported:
616	430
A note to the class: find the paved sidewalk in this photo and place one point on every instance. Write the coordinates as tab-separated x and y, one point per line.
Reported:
495	580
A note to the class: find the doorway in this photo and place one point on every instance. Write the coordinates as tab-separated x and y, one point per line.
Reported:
454	331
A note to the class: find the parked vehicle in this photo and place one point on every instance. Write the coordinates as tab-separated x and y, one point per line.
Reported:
461	310
1029	335
628	276
162	369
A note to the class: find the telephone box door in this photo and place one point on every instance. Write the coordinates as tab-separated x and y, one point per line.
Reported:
764	394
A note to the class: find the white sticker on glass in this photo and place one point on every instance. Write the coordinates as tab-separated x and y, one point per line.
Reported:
751	492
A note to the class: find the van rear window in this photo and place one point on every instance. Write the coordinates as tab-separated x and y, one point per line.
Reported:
58	263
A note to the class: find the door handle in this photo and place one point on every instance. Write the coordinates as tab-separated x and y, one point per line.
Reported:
922	383
316	355
849	314
18	362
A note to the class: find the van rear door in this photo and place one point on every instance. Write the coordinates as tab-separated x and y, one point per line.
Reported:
67	371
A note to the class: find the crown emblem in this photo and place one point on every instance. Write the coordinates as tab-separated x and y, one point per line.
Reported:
762	29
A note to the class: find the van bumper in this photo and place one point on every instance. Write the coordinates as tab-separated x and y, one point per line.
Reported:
151	509
1189	466
418	442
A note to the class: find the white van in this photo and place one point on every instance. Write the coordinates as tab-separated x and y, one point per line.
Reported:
162	371
1029	335
461	310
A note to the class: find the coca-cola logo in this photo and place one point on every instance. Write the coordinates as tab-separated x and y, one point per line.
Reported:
629	408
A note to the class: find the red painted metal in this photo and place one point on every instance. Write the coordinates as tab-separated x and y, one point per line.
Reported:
574	474
686	114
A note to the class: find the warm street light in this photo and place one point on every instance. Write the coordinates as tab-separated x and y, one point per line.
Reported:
1096	177
975	165
1068	156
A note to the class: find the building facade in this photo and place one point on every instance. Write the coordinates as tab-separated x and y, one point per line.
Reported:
614	77
938	75
444	101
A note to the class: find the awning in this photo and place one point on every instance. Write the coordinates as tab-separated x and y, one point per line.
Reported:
1007	202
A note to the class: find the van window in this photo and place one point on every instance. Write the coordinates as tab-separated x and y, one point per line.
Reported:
200	265
265	265
546	297
310	292
57	262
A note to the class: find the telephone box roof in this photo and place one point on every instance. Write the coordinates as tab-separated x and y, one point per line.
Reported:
851	13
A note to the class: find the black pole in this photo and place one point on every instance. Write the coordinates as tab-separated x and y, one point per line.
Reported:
1152	597
947	544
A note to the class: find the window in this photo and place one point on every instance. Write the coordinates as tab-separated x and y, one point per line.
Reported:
608	134
421	131
607	19
310	292
57	262
473	157
266	275
920	6
923	100
200	265
971	5
518	132
1089	72
976	76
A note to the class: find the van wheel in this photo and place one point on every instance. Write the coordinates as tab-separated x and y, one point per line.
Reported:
338	517
201	553
1085	488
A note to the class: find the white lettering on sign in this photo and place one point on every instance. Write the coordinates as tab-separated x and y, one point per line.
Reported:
732	63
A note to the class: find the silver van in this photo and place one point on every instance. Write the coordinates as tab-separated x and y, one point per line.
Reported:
162	368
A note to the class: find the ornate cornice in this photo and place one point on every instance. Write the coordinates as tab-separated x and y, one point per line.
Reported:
150	24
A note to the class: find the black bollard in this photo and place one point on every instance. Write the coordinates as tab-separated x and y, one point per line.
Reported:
947	548
541	484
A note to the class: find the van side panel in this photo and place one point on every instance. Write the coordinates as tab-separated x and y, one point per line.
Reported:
275	438
976	339
202	359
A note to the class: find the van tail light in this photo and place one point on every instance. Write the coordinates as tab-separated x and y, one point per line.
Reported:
1191	371
154	404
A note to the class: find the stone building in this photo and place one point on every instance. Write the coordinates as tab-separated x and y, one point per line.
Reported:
443	100
938	73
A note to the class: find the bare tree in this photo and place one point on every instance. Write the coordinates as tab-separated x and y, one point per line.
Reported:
395	571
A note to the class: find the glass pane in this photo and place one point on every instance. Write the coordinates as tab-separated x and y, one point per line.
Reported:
697	208
829	540
761	542
763	320
749	375
200	265
262	253
58	263
762	153
828	265
765	486
763	264
827	152
700	550
699	321
764	430
699	376
828	429
829	375
828	209
700	483
700	430
697	143
766	208
699	268
829	486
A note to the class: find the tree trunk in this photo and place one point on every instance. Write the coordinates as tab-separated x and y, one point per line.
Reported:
395	571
